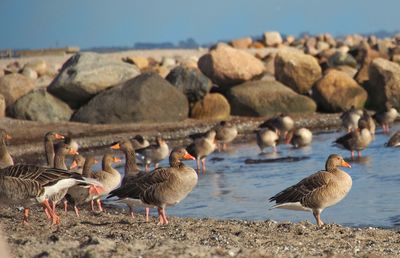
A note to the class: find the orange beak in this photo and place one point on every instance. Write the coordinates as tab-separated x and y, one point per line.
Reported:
116	146
8	137
59	136
73	165
345	164
188	156
116	159
73	152
96	161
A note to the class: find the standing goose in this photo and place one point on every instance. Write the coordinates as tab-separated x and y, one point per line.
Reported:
357	140
26	184
5	157
318	191
267	137
300	137
283	123
386	118
225	133
202	147
109	177
369	121
49	140
164	186
154	153
394	141
350	118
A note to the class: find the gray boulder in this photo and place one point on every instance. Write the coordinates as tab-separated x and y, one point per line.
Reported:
86	74
191	82
39	105
145	98
261	98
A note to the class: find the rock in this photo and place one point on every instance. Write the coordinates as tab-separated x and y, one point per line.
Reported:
13	86
242	42
190	81
227	66
261	98
39	66
189	62
168	62
340	58
384	84
212	106
41	106
337	92
2	106
269	63
321	46
43	81
290	39
145	98
362	76
350	71
86	74
296	70
140	61
257	45
14	67
2	73
30	73
272	38
162	71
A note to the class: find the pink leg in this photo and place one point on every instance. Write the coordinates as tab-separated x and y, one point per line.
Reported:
54	206
26	215
160	217
203	165
55	218
359	154
65	206
352	154
198	165
147	168
99	205
47	213
76	211
155	165
164	216
147	214
92	205
274	148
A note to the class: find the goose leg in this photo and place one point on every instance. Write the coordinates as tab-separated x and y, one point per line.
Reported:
147	214
92	205
99	205
65	206
76	211
164	216
155	165
203	165
54	217
161	217
359	154
317	216
352	155
198	165
147	167
26	215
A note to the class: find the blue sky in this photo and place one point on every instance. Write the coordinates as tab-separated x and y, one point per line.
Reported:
84	23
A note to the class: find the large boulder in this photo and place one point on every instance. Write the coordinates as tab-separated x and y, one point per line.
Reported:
190	81
227	66
212	106
145	98
86	74
242	42
340	58
336	92
13	86
297	70
384	84
272	38
39	105
261	98
39	66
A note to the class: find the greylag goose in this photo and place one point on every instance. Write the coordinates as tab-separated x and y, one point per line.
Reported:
350	118
109	177
318	191
394	141
163	187
300	137
225	133
26	184
357	140
49	140
267	137
78	162
78	195
386	118
5	157
139	142
283	123
154	153
202	147
369	121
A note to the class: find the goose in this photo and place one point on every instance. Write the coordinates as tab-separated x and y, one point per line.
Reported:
282	122
300	137
394	141
350	118
154	153
49	139
386	118
369	121
357	140
162	187
267	137
5	157
318	191
225	133
78	162
139	142
202	147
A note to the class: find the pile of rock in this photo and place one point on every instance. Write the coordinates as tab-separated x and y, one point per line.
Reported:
245	77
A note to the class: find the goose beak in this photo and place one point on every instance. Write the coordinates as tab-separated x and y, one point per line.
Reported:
116	159
96	161
345	164
73	165
73	152
59	136
188	156
116	146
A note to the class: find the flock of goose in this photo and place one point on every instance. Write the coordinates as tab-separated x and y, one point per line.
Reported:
26	185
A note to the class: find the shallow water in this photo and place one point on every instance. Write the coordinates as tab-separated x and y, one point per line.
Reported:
231	189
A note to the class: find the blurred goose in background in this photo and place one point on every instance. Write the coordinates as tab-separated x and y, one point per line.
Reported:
369	121
267	137
350	118
50	138
139	142
225	133
357	140
162	187
5	157
154	153
386	117
318	191
394	141
202	147
300	137
283	123
78	162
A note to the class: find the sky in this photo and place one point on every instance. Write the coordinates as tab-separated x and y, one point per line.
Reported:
84	23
